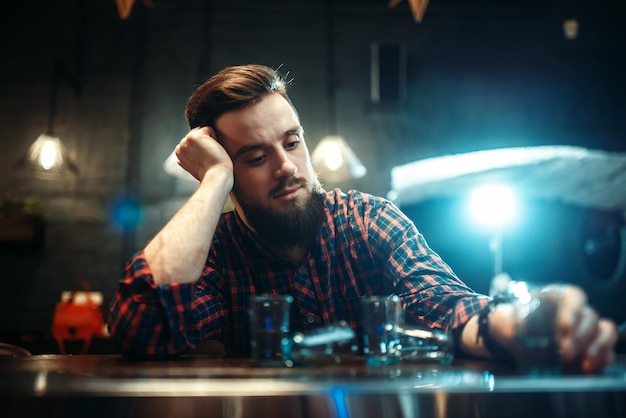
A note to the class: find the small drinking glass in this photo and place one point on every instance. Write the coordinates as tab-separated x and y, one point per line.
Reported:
380	318
536	347
421	345
269	326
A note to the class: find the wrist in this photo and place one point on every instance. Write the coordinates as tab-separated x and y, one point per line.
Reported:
495	330
219	178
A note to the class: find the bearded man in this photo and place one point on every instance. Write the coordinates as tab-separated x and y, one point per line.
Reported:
287	235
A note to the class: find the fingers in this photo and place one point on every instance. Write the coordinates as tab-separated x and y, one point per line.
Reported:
574	322
194	136
210	132
199	151
583	336
601	350
575	341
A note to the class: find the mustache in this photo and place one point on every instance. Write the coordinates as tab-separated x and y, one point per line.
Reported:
290	182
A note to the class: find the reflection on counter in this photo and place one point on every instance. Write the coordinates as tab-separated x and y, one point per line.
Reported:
197	385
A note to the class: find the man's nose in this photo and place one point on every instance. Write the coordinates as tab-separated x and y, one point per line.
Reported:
286	167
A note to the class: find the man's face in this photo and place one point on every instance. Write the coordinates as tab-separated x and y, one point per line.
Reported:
272	166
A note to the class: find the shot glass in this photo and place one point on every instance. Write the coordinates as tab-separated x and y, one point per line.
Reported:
422	345
380	318
536	347
269	326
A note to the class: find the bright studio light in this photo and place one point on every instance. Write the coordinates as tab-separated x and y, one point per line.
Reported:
493	205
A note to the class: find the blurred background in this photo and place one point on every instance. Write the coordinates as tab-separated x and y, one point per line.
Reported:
401	83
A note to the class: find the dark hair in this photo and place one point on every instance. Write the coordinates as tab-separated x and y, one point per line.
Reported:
233	88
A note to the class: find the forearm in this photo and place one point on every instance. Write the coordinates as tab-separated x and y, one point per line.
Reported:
146	320
159	321
178	252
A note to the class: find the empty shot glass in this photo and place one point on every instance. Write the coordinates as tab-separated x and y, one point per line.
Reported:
421	345
269	326
380	318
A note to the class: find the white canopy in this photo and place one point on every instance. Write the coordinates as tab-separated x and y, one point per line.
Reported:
570	174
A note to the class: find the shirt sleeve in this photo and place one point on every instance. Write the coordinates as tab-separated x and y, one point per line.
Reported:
432	294
159	321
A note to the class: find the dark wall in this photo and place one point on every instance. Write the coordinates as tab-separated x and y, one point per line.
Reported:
481	75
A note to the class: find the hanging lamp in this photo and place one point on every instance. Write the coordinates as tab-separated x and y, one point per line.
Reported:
333	159
47	153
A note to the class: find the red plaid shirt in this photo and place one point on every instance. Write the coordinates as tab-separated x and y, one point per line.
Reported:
366	246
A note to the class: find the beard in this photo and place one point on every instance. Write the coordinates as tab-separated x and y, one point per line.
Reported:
298	224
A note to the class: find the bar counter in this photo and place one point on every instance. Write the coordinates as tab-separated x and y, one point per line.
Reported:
199	385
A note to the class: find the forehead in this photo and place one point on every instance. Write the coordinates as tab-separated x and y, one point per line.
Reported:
269	118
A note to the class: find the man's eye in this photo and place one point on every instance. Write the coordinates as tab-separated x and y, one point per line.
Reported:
256	160
292	144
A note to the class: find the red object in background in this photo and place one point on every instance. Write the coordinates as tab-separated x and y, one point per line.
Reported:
78	317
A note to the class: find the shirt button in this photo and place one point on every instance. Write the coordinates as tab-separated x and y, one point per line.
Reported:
310	319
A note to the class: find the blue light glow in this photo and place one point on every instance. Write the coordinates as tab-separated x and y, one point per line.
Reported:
126	213
339	396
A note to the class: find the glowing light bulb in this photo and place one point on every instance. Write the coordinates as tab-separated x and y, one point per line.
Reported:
333	159
50	154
